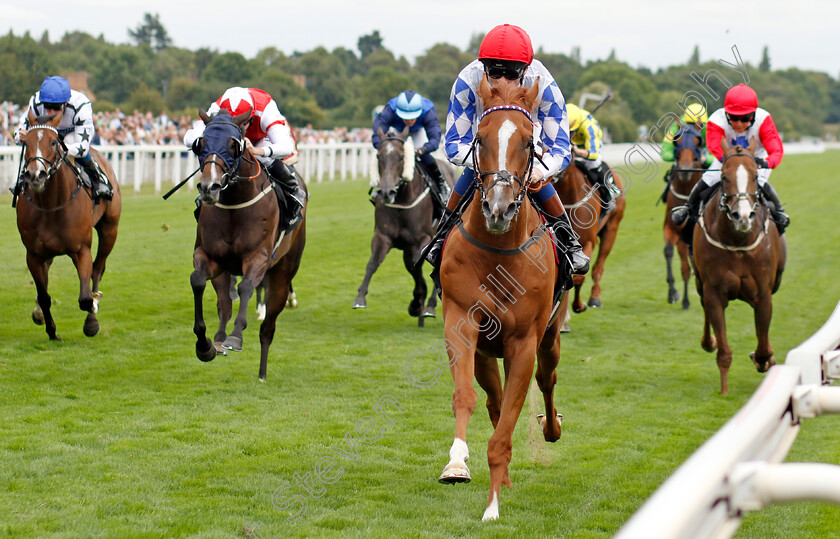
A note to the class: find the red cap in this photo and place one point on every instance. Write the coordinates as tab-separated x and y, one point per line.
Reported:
507	42
740	100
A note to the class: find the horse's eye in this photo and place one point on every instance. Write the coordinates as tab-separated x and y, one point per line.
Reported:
236	147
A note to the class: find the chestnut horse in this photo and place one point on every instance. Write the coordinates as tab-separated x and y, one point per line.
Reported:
238	234
402	218
738	254
685	174
497	275
56	216
583	203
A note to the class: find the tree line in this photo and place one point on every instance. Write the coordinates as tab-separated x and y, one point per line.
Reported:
341	87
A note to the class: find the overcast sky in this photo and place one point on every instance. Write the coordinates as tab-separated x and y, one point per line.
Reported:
643	32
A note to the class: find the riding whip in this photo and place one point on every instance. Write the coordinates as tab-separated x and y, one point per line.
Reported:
185	180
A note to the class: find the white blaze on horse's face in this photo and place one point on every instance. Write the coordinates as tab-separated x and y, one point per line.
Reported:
742	179
39	156
498	204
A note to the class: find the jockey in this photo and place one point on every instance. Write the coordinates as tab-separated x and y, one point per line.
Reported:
418	113
269	139
695	115
586	144
506	57
76	127
740	120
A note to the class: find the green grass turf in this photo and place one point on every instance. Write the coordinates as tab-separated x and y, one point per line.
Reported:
128	434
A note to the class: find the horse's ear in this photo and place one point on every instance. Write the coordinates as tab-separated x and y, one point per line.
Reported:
30	118
380	132
531	96
404	133
751	147
55	119
203	115
724	146
242	118
484	89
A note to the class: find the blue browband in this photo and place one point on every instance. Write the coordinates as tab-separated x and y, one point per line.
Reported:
507	107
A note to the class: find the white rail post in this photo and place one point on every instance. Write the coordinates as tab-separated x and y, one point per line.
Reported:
138	171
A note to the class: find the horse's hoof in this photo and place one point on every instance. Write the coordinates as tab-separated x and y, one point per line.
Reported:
56	338
455	473
206	354
233	343
762	367
220	349
711	346
673	296
429	313
91	327
360	304
38	316
595	303
261	311
579	308
291	301
565	328
685	304
415	308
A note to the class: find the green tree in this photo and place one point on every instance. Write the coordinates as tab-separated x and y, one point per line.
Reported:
565	70
146	99
151	32
764	66
231	68
23	66
381	84
326	77
369	43
694	60
639	92
436	71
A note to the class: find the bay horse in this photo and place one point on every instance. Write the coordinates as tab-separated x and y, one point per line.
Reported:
685	174
238	233
583	203
56	215
738	254
402	218
498	274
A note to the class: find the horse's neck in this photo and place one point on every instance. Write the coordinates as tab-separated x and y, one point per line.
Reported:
572	187
243	188
411	190
521	228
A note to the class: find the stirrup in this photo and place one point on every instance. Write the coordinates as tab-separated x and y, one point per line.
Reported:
680	214
580	262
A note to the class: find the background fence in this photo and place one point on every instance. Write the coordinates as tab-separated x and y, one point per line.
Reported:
167	165
738	469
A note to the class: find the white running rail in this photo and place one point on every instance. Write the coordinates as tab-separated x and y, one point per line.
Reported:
168	165
740	468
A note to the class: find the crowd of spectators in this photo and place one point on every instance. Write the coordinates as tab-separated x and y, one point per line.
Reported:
119	129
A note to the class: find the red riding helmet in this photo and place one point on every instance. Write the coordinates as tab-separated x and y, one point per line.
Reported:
507	42
236	101
740	100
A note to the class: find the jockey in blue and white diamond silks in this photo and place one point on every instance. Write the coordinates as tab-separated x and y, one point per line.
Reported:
506	57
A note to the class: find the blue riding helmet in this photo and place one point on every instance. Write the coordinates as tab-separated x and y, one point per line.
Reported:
409	105
55	90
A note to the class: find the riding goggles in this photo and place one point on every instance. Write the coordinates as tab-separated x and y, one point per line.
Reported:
53	106
507	69
746	118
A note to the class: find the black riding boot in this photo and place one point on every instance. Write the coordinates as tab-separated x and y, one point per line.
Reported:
98	181
668	177
439	185
557	218
598	177
691	210
777	212
294	196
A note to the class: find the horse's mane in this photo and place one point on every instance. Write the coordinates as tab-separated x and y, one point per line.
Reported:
508	95
44	119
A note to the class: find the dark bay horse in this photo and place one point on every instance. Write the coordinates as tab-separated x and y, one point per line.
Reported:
738	254
238	234
685	174
402	218
583	203
56	216
498	275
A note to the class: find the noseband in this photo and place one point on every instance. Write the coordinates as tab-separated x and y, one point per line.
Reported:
503	176
51	165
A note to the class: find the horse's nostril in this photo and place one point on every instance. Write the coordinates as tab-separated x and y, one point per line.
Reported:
215	187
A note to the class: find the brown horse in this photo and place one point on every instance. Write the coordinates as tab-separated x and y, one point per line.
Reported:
402	219
56	216
738	254
497	275
238	234
583	203
684	176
